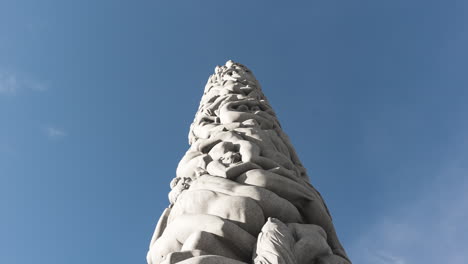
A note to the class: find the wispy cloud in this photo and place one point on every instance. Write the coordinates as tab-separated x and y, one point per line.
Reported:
382	257
54	133
35	85
430	229
8	83
12	83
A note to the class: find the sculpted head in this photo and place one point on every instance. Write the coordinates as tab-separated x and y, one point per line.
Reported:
227	153
233	71
178	185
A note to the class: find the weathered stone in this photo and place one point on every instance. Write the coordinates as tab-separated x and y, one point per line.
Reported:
241	194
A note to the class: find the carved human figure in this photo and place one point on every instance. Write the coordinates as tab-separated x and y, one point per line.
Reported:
241	194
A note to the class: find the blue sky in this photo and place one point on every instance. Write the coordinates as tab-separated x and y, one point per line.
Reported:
96	99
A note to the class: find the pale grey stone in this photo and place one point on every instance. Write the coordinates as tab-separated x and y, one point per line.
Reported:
211	259
275	244
209	202
177	257
240	170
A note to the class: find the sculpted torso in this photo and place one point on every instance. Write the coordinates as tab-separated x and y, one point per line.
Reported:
240	194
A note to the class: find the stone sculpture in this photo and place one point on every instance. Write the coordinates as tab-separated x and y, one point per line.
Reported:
241	194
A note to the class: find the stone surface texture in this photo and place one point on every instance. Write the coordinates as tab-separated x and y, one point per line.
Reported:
241	194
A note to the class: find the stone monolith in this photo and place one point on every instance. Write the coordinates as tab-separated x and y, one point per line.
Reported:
241	194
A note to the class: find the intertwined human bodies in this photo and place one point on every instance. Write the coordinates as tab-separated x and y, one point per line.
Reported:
241	194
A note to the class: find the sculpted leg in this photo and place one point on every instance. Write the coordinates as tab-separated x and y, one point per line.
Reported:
311	242
294	243
176	257
180	229
211	259
161	248
243	211
161	225
315	214
212	245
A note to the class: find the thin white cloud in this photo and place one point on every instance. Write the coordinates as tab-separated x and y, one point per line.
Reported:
430	229
35	85
11	83
8	83
382	257
54	132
